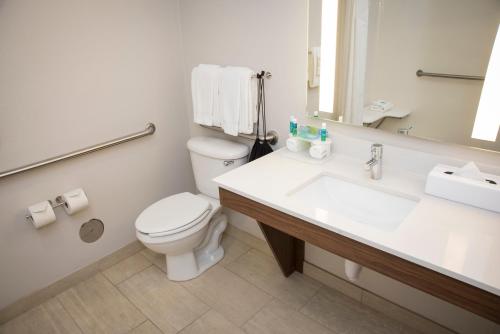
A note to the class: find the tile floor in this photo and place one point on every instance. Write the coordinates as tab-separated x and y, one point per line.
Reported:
244	293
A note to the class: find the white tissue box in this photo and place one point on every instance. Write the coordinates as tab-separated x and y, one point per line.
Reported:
485	194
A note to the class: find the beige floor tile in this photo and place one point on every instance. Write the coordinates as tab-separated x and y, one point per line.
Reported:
263	271
98	307
48	318
233	249
212	323
346	315
332	281
403	315
146	327
156	258
230	295
278	317
126	268
249	239
167	304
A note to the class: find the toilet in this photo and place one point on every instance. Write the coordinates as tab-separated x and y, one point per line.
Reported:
188	227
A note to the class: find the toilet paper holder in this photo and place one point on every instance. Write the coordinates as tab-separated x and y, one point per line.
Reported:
54	204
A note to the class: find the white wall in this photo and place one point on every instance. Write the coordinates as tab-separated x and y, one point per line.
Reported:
75	73
259	34
272	35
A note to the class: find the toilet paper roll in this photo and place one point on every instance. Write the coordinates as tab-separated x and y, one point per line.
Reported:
41	214
75	201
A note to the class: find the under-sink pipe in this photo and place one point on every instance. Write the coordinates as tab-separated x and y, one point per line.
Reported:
352	270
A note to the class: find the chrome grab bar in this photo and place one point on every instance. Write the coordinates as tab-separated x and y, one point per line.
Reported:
271	137
421	73
150	129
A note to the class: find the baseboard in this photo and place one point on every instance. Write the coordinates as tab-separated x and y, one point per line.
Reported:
44	294
374	301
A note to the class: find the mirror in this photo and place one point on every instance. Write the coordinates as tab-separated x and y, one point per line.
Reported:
409	67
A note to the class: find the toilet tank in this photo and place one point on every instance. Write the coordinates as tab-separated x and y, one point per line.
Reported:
211	157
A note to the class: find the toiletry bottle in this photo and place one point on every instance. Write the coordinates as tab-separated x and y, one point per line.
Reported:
294	132
291	125
323	132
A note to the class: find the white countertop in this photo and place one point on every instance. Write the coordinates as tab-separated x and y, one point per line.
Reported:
456	240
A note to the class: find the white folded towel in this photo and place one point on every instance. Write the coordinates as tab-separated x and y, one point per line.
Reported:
318	151
205	86
237	100
381	105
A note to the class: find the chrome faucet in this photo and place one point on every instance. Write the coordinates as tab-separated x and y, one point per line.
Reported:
374	165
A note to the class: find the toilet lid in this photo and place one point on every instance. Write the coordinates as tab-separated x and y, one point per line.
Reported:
172	213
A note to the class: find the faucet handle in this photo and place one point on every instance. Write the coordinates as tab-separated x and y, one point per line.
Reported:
368	165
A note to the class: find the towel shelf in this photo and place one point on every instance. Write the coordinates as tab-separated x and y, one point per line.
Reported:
271	137
150	129
421	73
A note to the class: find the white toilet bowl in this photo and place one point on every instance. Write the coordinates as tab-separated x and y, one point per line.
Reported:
187	228
191	246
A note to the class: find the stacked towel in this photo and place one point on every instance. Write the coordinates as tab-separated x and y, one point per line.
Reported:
236	100
225	97
381	105
205	86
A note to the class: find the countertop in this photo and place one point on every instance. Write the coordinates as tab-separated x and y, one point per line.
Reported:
454	239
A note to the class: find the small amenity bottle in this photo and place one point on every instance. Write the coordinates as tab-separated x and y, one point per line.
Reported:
293	126
323	132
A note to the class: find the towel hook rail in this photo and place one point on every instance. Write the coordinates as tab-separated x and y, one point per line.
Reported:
150	129
266	75
271	136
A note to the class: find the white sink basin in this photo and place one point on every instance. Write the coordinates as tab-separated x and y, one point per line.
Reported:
359	203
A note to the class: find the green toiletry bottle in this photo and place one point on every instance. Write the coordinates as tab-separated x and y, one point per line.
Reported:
323	132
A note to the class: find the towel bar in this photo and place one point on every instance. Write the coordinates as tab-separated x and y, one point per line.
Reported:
421	73
150	129
271	137
266	74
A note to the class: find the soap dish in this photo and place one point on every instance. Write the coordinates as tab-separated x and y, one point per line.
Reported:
485	194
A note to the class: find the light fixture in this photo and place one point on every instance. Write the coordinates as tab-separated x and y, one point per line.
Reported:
329	11
488	112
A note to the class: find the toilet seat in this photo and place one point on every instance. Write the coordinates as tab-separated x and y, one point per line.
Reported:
173	214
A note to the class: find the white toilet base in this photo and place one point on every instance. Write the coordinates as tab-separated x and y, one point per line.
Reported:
189	265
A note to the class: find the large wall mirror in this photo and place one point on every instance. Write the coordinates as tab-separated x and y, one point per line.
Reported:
426	68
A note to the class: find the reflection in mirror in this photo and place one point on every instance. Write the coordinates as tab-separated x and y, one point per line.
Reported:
370	52
487	119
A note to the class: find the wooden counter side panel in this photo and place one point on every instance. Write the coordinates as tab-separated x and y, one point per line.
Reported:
452	290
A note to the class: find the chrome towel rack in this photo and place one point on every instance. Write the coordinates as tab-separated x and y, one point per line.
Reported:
271	137
150	129
421	73
266	74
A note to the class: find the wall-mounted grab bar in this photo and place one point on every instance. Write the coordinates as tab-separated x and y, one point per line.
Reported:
271	137
150	129
421	73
